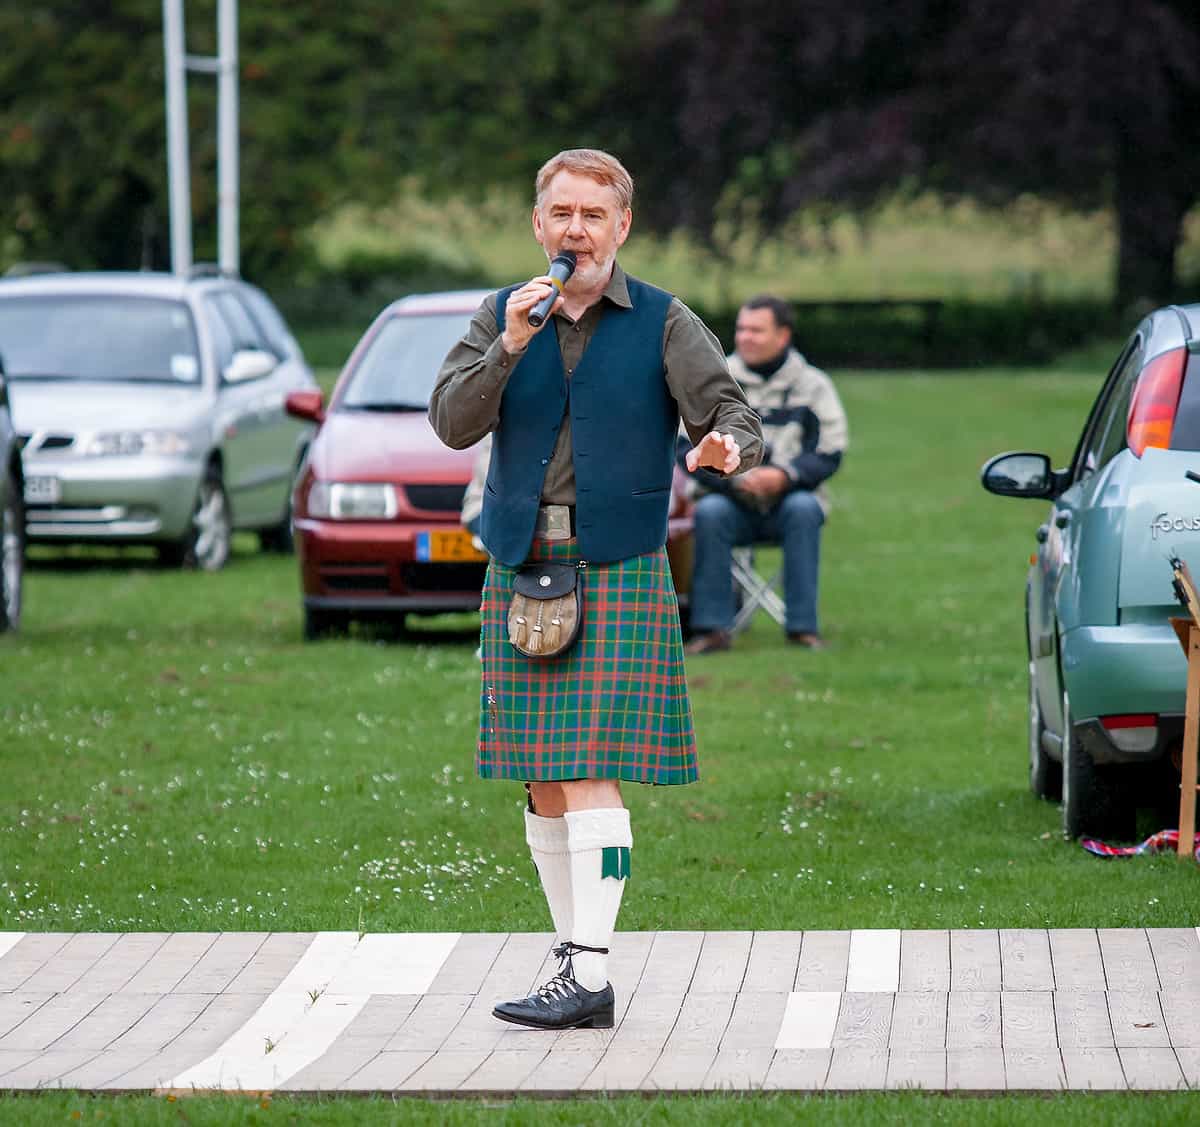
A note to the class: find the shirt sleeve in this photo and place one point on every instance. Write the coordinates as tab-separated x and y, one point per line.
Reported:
465	404
821	456
834	434
813	444
709	397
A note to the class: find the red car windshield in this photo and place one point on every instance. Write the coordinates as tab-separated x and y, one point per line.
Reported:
400	367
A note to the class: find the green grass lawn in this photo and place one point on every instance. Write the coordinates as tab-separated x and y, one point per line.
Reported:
177	758
892	1109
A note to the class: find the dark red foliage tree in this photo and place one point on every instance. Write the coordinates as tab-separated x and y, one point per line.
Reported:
1087	101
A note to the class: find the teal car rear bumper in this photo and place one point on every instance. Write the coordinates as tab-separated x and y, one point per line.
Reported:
1116	670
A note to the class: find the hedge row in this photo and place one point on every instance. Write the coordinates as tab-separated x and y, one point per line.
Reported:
940	334
876	334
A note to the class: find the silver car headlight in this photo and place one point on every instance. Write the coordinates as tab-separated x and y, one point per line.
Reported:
134	443
352	500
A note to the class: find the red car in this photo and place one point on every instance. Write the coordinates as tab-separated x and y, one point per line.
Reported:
377	506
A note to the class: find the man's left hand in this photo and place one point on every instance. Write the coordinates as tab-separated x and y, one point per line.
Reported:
716	451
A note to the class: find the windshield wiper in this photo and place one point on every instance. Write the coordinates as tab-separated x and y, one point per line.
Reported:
385	405
42	376
124	377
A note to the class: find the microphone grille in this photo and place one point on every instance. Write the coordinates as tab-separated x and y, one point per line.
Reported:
567	257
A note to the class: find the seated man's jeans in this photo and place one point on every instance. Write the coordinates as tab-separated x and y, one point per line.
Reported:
723	524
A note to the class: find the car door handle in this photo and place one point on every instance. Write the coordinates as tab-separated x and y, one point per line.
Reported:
1062	520
1042	533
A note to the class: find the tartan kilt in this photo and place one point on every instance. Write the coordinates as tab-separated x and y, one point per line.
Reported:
614	706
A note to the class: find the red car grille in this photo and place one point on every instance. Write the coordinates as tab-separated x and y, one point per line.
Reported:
436	498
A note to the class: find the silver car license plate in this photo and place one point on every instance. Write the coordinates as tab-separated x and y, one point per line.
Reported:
42	490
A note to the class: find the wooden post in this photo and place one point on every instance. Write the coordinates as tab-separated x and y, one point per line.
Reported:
1187	630
1191	740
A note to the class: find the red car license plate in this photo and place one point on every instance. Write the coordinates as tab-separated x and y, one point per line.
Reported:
442	546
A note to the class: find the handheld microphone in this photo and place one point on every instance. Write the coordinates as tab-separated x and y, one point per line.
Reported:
561	268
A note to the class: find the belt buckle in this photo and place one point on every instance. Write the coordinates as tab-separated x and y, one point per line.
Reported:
554	522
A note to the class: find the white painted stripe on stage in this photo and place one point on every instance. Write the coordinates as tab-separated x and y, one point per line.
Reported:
326	955
394	964
290	1030
8	940
284	1036
874	964
809	1020
245	1053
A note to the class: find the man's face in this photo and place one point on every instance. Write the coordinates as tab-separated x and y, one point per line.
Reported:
581	214
758	338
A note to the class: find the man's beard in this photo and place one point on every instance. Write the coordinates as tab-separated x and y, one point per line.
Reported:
593	272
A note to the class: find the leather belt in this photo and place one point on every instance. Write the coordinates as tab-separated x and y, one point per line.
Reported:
555	522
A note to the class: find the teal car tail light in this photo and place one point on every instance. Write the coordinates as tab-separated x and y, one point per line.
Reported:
1155	401
1136	731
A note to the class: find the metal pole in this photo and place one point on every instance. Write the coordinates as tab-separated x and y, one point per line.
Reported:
178	171
227	138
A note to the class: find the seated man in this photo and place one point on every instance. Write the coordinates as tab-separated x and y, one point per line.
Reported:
782	500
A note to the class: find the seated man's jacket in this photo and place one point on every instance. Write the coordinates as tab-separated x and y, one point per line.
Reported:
804	425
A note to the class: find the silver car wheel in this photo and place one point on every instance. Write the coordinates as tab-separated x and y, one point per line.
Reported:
12	560
1035	723
211	525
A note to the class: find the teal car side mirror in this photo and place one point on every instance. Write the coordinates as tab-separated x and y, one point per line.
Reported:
1021	474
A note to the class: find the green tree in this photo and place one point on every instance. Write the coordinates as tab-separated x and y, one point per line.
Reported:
338	101
83	135
80	142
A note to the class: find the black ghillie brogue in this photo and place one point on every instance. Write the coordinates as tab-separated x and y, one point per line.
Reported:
562	1003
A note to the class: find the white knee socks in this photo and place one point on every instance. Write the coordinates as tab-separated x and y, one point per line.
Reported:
599	842
547	838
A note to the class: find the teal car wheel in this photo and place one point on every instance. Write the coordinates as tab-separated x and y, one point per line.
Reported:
1095	802
1045	775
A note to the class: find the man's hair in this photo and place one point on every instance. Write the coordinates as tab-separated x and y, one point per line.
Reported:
599	165
779	308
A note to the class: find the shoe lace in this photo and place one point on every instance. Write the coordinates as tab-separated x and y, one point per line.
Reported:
563	984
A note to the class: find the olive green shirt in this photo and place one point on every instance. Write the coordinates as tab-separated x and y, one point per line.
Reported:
465	404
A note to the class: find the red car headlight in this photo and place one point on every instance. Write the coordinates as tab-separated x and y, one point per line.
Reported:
352	500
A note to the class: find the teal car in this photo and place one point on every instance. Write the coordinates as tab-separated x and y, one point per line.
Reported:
1106	671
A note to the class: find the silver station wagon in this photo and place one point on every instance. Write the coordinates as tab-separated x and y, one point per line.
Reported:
151	411
1107	676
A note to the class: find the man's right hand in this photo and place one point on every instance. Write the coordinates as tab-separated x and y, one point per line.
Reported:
518	332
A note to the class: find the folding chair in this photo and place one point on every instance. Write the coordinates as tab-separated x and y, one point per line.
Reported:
756	591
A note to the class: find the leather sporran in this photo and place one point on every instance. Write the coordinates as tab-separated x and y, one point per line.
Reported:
546	610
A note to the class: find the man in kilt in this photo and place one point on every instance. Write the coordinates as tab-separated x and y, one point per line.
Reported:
584	414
